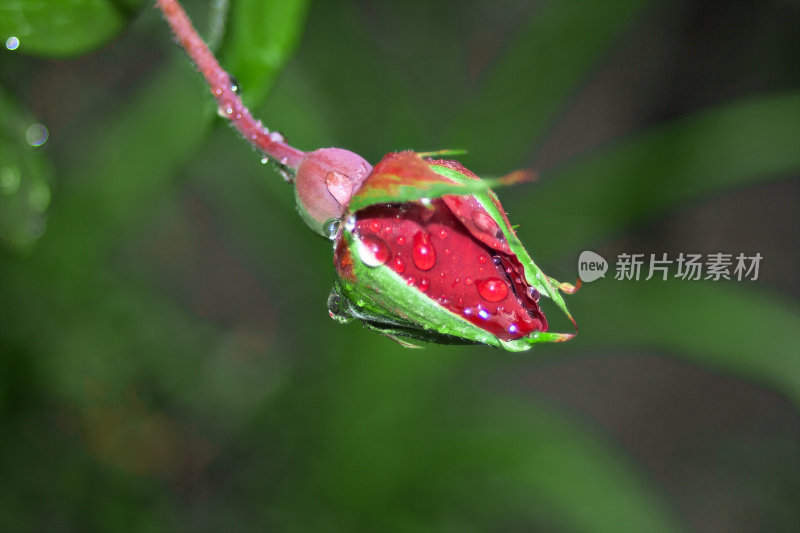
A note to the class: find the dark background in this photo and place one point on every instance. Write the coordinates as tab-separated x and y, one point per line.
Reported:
166	362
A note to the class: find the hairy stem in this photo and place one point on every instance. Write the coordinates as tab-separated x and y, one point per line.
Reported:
225	92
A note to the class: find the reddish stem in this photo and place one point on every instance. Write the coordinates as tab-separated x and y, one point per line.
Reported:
229	103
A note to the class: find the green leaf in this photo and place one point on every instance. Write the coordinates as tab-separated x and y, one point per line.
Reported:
259	41
544	64
62	28
736	329
25	176
734	144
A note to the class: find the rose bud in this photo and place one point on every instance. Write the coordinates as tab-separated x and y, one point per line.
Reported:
425	251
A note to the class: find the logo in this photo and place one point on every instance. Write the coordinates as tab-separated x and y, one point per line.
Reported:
591	266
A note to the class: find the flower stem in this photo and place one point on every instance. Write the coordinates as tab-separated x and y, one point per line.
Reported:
229	103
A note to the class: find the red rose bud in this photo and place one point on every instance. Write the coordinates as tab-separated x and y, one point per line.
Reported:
426	252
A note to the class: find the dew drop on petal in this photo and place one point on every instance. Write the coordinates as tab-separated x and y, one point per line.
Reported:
401	240
492	289
442	233
533	294
375	226
423	284
373	251
423	253
482	259
485	223
398	265
411	281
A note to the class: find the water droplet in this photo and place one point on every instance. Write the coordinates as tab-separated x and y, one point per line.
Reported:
373	251
425	201
331	228
492	289
411	281
398	265
443	274
374	226
229	110
333	302
340	186
335	310
483	313
423	284
401	240
235	87
36	134
485	223
468	280
284	160
218	92
482	259
468	311
513	329
350	223
442	233
264	160
533	294
423	253
12	43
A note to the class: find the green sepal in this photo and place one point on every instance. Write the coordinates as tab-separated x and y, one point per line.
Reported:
439	153
406	177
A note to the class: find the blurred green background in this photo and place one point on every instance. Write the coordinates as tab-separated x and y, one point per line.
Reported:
166	358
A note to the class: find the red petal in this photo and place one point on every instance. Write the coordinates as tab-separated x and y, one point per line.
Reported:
441	257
